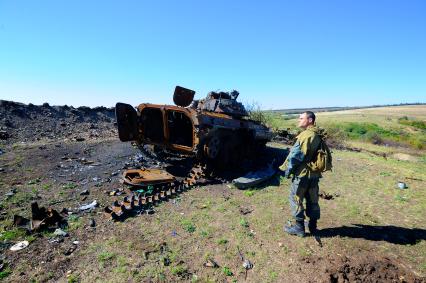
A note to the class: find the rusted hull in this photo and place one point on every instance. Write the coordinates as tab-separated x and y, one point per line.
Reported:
215	127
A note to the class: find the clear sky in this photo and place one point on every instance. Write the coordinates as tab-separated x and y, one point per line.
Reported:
281	54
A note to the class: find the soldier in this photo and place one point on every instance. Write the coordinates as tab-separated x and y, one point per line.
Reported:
305	179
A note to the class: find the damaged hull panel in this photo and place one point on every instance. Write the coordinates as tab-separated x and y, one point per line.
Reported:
145	177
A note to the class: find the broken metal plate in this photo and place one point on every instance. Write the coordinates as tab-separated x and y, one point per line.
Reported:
145	177
40	218
183	96
252	179
127	122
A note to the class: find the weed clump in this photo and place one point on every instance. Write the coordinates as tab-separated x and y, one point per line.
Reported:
227	271
188	226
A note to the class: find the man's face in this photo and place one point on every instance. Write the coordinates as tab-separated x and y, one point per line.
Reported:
304	121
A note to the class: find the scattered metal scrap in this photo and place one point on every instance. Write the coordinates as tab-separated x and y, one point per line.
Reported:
211	263
40	218
252	179
402	185
246	263
328	196
89	206
19	246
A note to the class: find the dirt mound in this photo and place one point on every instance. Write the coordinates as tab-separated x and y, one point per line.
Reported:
360	268
383	270
24	123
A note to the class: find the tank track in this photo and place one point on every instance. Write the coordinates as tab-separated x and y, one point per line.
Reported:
139	203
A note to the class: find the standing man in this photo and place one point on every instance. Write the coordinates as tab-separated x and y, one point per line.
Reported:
305	179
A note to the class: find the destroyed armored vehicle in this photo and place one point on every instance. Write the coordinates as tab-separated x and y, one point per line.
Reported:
215	129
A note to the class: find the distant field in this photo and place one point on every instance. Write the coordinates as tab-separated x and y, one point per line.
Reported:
334	109
414	111
394	125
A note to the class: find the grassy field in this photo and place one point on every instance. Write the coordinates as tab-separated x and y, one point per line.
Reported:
370	217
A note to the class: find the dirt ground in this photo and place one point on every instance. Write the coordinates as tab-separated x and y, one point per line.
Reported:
370	231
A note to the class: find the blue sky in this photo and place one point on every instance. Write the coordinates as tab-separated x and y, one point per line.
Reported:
281	54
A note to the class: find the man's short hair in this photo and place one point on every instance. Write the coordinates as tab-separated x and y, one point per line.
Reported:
310	114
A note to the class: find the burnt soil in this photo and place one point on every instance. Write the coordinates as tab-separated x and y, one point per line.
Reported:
52	154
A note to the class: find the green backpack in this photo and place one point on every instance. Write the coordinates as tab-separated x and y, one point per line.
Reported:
322	161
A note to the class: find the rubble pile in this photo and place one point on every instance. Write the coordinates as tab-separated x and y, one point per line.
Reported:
28	123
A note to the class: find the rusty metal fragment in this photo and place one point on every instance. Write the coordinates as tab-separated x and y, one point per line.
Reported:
40	218
145	177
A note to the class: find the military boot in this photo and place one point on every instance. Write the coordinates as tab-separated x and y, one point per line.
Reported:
312	226
297	229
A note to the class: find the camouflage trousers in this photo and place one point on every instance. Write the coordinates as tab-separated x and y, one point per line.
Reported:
304	188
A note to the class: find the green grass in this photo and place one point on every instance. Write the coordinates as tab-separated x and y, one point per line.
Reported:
418	124
373	133
366	131
105	256
20	198
46	186
5	273
227	271
69	186
35	181
12	235
122	265
73	278
74	222
204	234
244	223
179	270
188	225
273	275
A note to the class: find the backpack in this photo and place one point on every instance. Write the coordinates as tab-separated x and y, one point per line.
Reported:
322	161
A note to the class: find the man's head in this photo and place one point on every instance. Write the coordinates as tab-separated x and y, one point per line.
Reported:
306	119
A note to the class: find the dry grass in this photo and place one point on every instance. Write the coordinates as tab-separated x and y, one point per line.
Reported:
416	111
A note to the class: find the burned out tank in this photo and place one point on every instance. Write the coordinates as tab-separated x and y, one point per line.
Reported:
215	129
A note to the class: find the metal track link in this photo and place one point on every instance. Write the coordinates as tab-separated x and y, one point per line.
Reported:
135	204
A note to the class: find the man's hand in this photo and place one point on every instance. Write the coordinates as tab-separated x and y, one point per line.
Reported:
284	172
287	173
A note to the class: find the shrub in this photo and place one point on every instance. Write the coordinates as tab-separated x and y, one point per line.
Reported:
256	114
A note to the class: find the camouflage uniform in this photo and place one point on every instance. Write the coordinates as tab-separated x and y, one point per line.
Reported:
305	181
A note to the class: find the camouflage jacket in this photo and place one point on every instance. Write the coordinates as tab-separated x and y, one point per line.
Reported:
302	152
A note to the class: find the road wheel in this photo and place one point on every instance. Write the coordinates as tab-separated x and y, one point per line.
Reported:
212	148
